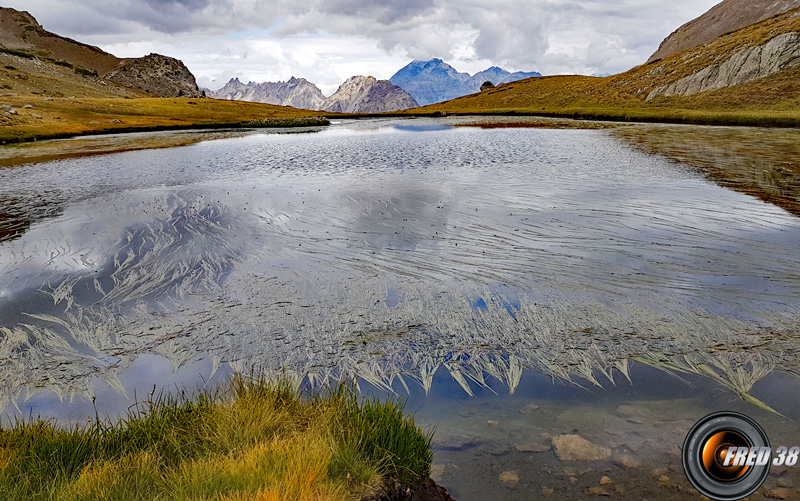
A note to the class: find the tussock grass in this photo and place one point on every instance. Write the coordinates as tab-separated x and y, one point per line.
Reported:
252	440
289	122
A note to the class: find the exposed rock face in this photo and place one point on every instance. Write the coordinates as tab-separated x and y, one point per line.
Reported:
297	92
747	65
362	94
727	16
435	81
157	75
160	76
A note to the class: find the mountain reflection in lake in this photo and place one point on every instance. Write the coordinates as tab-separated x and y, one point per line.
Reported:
393	254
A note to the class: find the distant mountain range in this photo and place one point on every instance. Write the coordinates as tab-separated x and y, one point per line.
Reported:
417	84
435	81
358	94
297	93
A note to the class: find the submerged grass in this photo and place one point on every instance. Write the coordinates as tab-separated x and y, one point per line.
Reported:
252	440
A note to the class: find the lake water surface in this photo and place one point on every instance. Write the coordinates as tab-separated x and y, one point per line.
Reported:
513	284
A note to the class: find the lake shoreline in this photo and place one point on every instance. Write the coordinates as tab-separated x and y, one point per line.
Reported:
245	114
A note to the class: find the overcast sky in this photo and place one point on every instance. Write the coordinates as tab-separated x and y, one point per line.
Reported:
328	41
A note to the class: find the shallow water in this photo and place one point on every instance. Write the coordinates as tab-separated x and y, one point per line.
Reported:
482	272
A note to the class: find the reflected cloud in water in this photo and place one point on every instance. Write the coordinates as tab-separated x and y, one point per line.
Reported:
390	257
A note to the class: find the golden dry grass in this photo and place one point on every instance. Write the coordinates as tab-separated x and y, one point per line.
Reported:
63	117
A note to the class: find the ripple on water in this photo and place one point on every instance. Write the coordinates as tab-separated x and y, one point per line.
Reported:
391	252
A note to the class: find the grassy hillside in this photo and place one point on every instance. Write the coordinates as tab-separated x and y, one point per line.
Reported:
70	116
773	100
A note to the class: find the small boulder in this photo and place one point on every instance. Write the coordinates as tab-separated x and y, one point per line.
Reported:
509	478
576	448
437	471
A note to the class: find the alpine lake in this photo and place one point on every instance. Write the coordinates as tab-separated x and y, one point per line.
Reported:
560	304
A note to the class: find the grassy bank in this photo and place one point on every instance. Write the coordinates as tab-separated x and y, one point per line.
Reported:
254	440
39	117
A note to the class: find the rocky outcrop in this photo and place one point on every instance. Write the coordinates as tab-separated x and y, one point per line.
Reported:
362	94
727	16
297	92
156	75
747	65
435	81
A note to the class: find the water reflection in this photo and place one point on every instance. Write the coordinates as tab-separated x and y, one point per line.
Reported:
389	256
760	162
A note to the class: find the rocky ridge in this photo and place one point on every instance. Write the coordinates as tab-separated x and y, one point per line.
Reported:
22	37
748	64
297	93
727	16
358	94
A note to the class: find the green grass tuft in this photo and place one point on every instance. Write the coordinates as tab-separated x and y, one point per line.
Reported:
251	439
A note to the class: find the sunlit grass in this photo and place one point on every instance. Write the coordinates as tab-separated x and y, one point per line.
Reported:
252	440
64	117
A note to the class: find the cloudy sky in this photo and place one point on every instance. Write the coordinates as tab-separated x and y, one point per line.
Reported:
326	41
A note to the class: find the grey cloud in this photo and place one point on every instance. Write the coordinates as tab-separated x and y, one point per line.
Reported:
594	36
380	11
